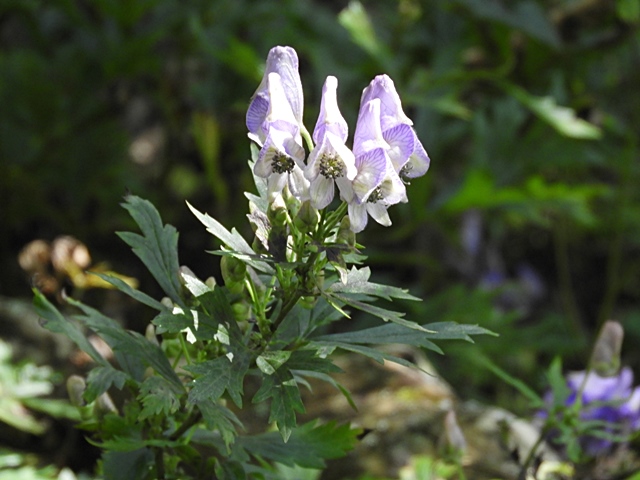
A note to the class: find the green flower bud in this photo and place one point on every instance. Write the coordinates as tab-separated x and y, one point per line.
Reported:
307	218
233	272
150	334
75	389
345	235
277	213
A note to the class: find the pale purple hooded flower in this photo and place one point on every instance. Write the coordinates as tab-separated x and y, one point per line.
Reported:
281	158
608	399
284	62
405	150
377	184
330	162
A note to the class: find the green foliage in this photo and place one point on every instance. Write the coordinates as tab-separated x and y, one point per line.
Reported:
175	399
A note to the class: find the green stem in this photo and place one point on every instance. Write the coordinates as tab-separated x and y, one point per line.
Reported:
561	246
159	459
185	350
194	418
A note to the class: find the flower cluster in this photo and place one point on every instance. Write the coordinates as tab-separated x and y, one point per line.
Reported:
370	177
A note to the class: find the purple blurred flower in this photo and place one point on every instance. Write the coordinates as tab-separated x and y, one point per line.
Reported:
607	399
377	184
330	161
408	156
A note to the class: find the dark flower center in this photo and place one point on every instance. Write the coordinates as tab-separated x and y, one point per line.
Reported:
331	166
282	163
375	195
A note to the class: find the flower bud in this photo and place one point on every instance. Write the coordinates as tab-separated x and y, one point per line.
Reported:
75	389
103	406
277	212
345	235
307	218
605	358
233	272
150	334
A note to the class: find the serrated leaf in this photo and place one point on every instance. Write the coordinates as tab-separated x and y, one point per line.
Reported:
132	292
377	355
331	381
357	281
308	446
213	377
310	360
157	247
383	313
283	390
168	322
101	378
233	240
217	417
130	348
269	361
55	322
158	396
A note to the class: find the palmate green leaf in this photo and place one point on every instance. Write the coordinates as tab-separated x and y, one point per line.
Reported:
101	378
308	446
309	360
158	397
233	240
213	377
283	390
167	322
357	281
331	381
55	322
132	350
157	247
269	361
217	418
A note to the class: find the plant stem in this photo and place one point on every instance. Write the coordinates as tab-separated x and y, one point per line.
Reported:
195	417
184	349
159	463
561	246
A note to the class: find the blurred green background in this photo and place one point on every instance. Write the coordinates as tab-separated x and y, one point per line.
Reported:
528	222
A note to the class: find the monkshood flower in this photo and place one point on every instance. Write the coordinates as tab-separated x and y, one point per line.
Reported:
377	184
331	161
281	158
408	156
608	399
284	62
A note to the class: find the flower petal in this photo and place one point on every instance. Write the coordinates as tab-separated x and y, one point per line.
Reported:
391	113
372	167
321	192
357	217
368	134
284	62
401	140
330	119
379	213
